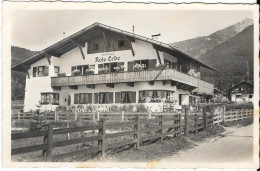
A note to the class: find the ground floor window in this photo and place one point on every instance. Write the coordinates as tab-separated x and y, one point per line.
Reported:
49	98
83	98
250	96
156	96
125	97
103	97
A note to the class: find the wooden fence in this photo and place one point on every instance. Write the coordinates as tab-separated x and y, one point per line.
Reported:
138	131
232	115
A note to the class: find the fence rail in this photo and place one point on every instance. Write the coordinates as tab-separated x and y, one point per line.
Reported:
223	116
137	131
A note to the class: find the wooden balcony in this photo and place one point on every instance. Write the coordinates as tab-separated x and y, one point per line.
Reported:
136	76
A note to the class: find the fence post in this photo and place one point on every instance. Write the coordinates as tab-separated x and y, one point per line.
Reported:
102	142
55	115
93	116
18	116
123	115
236	116
149	114
98	114
49	142
161	125
205	120
137	133
44	141
246	114
186	124
180	121
196	122
223	115
76	115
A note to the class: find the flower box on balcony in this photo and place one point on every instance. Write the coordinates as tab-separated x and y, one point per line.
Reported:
75	72
89	71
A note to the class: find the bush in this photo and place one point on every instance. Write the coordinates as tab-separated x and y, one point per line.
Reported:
127	108
114	108
141	108
37	122
234	106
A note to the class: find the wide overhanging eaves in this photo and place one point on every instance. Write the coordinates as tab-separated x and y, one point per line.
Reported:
83	35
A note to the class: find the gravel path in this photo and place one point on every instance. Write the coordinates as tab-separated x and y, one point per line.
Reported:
235	145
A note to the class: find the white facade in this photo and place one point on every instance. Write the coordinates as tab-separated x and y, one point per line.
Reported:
35	86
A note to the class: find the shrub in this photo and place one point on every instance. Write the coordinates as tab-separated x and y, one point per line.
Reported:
114	108
141	108
38	121
127	108
234	106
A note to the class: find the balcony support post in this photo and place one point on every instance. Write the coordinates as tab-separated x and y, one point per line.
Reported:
79	45
27	72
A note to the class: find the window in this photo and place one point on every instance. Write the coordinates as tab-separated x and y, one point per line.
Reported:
170	64
56	70
95	46
125	97
156	96
238	96
110	67
250	96
83	69
40	71
83	98
49	98
121	43
105	97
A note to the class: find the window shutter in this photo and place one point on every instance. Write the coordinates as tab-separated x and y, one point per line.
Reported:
73	68
34	71
130	66
76	98
117	97
46	70
132	97
96	98
110	97
89	98
152	64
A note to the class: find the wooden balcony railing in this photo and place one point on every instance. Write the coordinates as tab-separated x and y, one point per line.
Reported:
135	76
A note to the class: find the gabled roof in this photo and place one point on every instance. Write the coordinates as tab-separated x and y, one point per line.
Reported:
83	35
242	82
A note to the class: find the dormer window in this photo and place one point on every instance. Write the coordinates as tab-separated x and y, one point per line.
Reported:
121	43
95	46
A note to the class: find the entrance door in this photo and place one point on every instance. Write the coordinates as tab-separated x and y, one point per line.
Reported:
69	100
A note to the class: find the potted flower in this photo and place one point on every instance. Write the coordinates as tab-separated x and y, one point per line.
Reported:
89	71
117	69
142	100
139	67
102	71
155	99
75	72
169	101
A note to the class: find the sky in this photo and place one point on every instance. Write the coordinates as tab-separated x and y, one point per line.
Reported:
36	30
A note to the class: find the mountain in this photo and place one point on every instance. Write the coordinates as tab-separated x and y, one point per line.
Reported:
18	78
200	45
230	57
